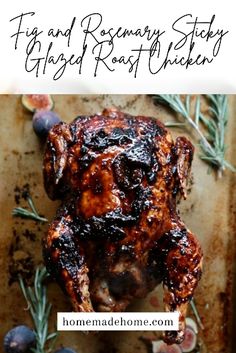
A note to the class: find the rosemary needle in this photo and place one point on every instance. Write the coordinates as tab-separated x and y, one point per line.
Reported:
40	309
197	316
24	213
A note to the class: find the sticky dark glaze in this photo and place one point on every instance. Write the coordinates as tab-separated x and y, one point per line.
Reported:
117	233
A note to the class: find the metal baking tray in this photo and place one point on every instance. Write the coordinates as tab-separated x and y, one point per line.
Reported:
209	212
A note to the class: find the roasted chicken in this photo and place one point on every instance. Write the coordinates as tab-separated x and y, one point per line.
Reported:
117	233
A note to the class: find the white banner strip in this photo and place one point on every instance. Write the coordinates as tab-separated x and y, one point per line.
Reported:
125	321
117	47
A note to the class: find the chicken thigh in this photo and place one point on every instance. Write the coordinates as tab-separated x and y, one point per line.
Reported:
117	234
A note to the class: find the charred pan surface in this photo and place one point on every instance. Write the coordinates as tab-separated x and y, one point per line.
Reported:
117	234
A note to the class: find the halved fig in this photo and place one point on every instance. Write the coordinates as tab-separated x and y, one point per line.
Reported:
190	340
191	324
34	102
161	347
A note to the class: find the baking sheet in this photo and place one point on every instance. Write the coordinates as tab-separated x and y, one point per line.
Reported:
209	212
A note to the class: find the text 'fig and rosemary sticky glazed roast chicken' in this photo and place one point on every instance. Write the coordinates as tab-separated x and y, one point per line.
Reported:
118	234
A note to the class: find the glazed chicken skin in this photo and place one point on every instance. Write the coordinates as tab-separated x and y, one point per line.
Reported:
117	234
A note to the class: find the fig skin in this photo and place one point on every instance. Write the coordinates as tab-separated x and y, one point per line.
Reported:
65	350
161	347
43	121
20	339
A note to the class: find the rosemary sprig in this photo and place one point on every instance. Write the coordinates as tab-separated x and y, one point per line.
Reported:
213	145
40	309
24	213
197	316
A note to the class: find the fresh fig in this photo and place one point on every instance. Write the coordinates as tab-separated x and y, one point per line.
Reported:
191	324
161	347
65	350
43	121
20	339
190	341
34	102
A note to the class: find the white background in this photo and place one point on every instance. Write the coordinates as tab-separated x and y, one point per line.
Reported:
163	317
218	77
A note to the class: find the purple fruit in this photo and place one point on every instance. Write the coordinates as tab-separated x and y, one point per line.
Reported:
161	347
43	121
19	340
65	350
